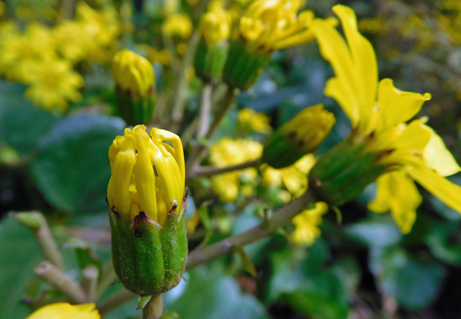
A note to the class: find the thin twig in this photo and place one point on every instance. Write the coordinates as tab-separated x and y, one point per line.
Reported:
61	281
37	223
282	217
89	282
107	278
205	109
200	150
116	300
211	170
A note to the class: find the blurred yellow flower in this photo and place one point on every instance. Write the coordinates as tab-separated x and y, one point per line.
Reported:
19	52
154	55
274	25
249	120
65	310
215	24
378	112
228	152
53	84
307	225
292	179
178	25
71	40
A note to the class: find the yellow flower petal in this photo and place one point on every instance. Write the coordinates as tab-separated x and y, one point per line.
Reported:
307	223
397	106
438	157
65	310
364	62
436	184
396	192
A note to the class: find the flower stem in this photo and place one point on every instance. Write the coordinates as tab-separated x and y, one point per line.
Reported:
107	278
211	170
200	149
61	281
90	281
115	301
205	109
154	308
282	217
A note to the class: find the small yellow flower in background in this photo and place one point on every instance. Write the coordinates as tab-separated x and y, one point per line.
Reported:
307	225
52	85
228	152
154	55
65	310
134	185
292	178
178	25
133	73
71	40
215	24
249	120
378	111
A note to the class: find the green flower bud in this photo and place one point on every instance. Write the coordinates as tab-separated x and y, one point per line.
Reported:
135	87
342	173
209	59
298	137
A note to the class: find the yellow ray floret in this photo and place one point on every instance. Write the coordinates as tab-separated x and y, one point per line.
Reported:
378	113
147	173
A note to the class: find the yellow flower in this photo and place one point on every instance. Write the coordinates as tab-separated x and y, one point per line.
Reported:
179	25
293	178
228	152
274	25
215	24
154	55
307	225
147	174
103	26
249	120
53	84
20	52
71	40
65	310
133	73
378	112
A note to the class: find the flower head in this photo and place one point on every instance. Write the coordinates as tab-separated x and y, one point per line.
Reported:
53	84
274	24
215	24
65	310
179	25
133	73
378	113
147	174
249	120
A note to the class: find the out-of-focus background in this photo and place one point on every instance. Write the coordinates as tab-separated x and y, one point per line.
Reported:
57	120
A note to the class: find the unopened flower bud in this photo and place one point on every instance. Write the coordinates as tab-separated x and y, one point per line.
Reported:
213	46
298	137
135	87
145	196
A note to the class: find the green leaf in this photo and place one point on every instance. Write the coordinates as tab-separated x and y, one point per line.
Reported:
21	123
72	168
437	239
20	254
316	305
246	262
377	231
143	300
206	222
210	294
84	253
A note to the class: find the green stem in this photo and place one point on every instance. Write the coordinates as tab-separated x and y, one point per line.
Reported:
154	308
211	170
107	278
116	300
200	150
205	110
282	217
